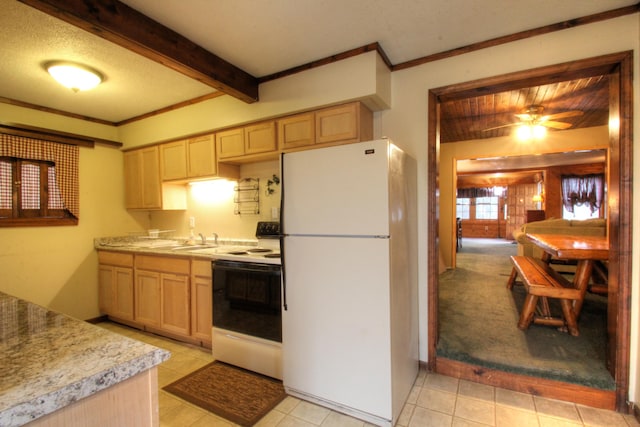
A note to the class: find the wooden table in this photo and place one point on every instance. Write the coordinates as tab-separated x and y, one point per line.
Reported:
586	250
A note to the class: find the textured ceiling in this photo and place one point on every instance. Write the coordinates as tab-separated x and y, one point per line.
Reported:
261	37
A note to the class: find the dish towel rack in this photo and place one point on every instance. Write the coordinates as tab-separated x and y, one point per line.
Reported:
247	197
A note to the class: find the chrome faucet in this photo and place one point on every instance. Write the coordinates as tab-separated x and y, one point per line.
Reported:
215	238
203	239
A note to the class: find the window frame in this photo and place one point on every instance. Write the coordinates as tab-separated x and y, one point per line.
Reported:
43	216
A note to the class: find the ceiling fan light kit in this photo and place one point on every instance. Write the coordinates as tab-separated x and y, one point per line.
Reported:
76	77
527	132
532	124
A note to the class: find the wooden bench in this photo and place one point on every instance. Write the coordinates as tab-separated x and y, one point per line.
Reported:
542	282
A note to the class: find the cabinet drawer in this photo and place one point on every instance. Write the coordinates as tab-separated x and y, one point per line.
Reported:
115	258
201	268
164	264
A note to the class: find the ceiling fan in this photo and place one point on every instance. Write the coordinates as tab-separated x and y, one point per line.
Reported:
532	116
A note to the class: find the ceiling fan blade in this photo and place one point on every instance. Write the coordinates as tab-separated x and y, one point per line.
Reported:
556	125
563	115
500	127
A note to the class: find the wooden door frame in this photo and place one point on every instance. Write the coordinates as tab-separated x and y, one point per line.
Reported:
620	67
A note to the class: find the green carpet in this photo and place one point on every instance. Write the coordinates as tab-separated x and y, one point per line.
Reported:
478	319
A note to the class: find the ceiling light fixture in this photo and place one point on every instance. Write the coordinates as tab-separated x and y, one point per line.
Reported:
530	131
74	76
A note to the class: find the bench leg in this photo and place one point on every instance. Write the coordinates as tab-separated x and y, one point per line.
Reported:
512	278
569	317
528	311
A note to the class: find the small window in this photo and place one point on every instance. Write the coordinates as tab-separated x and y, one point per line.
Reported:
28	189
462	207
583	196
486	208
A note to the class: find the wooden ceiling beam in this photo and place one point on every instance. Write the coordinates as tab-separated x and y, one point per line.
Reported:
130	29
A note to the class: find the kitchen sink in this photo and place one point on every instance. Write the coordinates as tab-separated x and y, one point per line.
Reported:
193	247
212	250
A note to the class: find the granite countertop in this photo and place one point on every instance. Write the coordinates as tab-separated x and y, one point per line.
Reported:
178	248
50	360
173	247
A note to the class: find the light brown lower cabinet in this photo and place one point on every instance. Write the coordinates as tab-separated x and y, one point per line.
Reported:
175	303
201	301
115	284
147	297
169	295
162	294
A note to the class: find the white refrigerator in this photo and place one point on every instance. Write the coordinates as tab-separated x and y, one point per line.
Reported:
350	299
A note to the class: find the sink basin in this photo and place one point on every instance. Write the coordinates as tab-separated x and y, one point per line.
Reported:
208	251
192	247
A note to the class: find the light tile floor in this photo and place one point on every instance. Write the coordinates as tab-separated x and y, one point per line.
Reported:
435	400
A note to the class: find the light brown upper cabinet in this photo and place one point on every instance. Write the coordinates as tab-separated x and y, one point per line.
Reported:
246	141
344	123
201	157
230	143
142	179
173	158
260	138
189	158
296	131
143	186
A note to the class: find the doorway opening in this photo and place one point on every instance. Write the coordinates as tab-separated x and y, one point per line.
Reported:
617	68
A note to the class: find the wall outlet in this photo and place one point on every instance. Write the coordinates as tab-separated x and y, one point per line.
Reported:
192	222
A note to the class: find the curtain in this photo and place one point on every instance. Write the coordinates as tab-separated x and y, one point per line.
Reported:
580	189
471	193
63	156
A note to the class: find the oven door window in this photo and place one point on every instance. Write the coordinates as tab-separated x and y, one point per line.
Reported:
246	299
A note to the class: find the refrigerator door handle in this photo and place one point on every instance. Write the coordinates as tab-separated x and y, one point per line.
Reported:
284	270
283	274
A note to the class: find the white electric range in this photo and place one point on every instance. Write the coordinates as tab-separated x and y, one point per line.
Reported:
247	304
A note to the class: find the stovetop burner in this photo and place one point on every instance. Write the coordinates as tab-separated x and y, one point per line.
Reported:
258	250
273	255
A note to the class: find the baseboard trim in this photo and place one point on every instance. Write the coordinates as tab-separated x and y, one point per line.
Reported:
635	410
98	319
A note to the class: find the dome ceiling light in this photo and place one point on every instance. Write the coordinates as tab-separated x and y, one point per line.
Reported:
76	77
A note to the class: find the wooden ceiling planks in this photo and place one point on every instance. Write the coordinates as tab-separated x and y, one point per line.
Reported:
469	118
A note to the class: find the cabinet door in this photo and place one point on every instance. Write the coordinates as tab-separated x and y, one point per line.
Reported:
201	156
260	138
133	179
337	124
296	131
142	179
230	143
123	293
151	185
173	157
201	300
175	314
147	297
106	290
